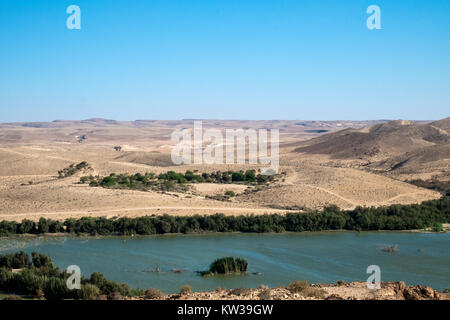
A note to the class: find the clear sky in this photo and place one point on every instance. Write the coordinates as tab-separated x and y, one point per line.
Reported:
224	59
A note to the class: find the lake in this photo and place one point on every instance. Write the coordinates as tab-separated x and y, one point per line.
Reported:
278	259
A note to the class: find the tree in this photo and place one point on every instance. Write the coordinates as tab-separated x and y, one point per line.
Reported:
41	260
27	226
43	225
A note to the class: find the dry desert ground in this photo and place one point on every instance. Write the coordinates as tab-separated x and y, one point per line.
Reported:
31	154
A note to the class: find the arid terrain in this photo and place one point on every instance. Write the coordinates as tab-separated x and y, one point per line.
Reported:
347	163
341	291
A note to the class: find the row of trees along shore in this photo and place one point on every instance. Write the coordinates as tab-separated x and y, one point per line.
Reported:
395	217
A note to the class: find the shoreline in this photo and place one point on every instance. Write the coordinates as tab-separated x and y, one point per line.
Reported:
205	233
429	215
338	291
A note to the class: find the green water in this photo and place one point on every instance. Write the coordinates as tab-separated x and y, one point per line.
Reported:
422	258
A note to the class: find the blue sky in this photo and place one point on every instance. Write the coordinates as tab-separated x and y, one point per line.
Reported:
227	59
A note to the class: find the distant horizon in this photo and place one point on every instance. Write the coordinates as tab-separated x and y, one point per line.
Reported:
218	119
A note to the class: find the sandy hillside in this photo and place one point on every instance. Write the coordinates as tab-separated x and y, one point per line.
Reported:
32	153
401	149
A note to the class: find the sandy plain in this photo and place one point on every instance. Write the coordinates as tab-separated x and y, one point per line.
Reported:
32	153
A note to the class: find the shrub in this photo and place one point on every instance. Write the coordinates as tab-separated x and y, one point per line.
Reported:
265	294
340	283
228	265
302	287
153	293
88	292
115	296
186	289
437	227
240	291
108	287
72	169
315	293
84	179
56	289
28	282
298	286
230	193
6	279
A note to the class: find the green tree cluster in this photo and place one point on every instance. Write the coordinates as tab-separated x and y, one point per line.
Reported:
41	277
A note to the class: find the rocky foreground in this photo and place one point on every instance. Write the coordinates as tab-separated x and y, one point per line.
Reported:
340	291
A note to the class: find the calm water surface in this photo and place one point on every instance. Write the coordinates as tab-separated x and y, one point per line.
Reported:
422	258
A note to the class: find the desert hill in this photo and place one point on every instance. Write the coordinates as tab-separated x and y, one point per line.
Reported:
434	161
381	140
404	149
443	124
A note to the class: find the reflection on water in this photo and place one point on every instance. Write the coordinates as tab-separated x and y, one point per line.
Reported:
21	243
168	262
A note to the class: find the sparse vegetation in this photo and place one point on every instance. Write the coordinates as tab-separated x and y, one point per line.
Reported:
340	283
298	286
72	169
433	184
302	287
153	293
230	193
265	294
186	289
240	291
